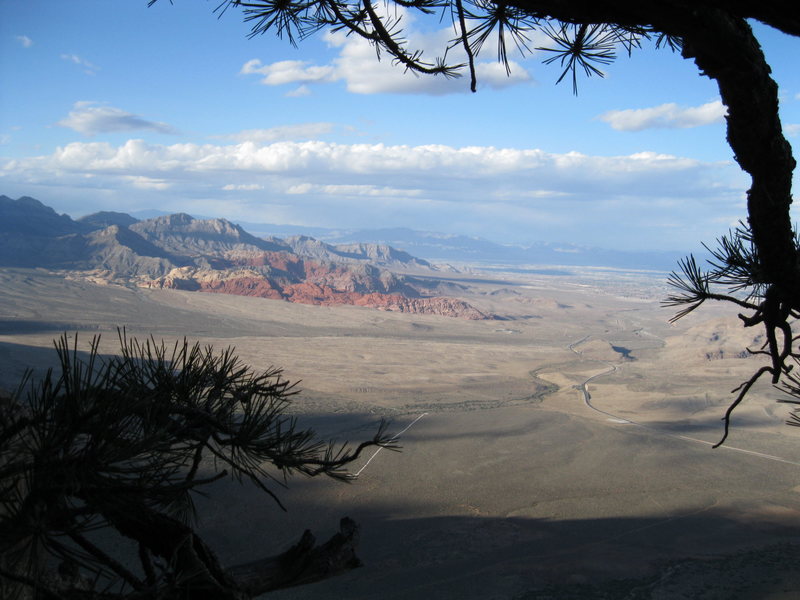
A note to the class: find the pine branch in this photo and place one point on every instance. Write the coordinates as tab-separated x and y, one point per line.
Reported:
118	442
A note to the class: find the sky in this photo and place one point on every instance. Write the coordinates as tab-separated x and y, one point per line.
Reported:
117	106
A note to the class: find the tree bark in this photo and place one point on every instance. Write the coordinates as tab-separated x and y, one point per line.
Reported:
725	49
780	14
302	563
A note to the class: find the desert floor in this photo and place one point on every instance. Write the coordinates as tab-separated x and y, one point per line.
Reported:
549	454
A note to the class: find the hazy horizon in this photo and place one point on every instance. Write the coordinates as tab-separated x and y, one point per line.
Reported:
453	248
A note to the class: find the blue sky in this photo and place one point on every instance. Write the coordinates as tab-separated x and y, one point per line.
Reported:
116	106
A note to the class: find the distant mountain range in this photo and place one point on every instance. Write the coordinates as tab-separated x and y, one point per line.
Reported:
474	250
445	247
214	255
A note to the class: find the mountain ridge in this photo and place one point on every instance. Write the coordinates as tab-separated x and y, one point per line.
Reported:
435	246
215	255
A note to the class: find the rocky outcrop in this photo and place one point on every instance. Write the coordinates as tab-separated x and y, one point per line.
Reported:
326	286
439	305
182	234
123	253
376	254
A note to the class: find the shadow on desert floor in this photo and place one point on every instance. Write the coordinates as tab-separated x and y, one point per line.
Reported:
21	327
16	358
479	557
498	503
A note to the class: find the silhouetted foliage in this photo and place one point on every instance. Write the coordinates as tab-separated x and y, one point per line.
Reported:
736	269
759	259
122	445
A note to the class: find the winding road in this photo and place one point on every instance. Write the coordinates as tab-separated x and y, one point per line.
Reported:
583	388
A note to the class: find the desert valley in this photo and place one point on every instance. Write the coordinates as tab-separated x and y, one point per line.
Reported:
556	428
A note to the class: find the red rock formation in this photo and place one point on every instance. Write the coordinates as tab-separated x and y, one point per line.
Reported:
286	276
242	286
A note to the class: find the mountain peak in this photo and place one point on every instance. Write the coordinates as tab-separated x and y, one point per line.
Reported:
28	216
173	220
179	233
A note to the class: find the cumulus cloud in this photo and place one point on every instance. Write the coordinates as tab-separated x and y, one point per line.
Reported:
380	167
356	65
505	193
792	129
363	74
665	116
91	118
24	40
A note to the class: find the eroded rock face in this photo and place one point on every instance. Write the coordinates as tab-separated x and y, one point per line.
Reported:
279	276
284	275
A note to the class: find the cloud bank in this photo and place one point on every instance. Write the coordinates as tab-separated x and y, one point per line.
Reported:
646	198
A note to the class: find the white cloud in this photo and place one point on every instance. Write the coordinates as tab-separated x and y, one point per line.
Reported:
288	71
89	68
24	40
147	183
89	118
438	166
301	131
792	129
501	193
357	67
665	116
